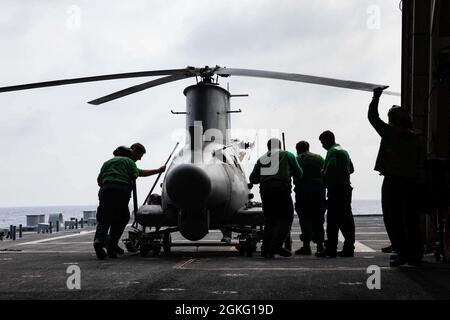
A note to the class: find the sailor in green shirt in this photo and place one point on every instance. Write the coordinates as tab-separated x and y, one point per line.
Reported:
119	170
310	199
273	171
336	173
115	182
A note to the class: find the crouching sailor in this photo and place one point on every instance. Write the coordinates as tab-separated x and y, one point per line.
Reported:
115	181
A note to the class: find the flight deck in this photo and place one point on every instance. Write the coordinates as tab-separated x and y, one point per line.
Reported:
38	266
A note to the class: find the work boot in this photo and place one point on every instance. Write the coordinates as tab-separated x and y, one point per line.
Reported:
346	253
119	250
303	251
284	253
267	255
111	252
99	251
264	251
398	262
326	253
415	262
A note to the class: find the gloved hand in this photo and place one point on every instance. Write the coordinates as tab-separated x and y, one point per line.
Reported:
378	91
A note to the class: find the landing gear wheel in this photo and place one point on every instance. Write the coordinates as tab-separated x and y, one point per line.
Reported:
251	247
156	250
144	250
437	256
130	246
167	241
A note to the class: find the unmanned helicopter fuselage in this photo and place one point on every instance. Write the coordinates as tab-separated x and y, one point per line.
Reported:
205	184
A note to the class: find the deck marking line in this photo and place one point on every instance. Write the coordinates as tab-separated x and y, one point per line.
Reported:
351	283
359	247
44	251
172	289
284	269
56	238
182	263
224	292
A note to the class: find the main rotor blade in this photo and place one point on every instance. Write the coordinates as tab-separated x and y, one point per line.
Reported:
137	88
302	78
95	78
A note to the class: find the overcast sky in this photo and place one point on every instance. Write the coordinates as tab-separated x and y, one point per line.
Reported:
53	143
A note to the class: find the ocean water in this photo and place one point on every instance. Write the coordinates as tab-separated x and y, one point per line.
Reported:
366	207
17	215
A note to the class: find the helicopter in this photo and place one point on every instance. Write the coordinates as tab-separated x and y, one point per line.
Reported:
205	187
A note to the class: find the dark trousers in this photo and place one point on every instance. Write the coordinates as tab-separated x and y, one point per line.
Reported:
112	213
310	207
340	217
401	216
279	214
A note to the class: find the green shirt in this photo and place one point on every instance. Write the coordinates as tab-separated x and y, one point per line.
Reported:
311	164
118	170
274	169
338	167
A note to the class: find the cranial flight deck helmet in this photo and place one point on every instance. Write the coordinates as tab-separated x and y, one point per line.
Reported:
138	147
122	151
399	116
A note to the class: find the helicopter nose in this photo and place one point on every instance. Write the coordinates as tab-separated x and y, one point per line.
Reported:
188	186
